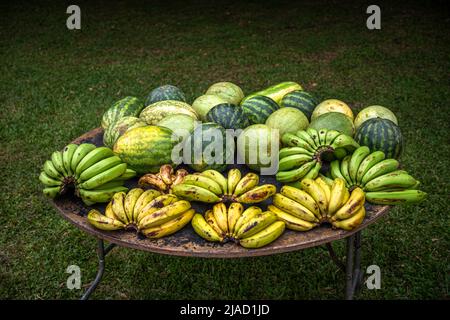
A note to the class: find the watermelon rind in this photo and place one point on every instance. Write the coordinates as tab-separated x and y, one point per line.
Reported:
301	100
117	129
157	111
229	116
259	108
228	91
128	106
163	93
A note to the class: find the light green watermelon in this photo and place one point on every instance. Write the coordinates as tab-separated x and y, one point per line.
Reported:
334	121
227	91
287	120
157	111
181	124
206	102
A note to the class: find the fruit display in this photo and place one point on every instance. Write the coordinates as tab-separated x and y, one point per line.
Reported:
117	129
180	124
318	202
259	108
164	180
128	106
301	100
148	212
287	119
251	228
276	92
332	105
303	152
211	186
94	173
166	92
371	112
229	116
157	111
379	177
146	148
334	121
227	91
381	135
206	102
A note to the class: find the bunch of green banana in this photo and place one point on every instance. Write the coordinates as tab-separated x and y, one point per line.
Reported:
302	153
150	213
251	228
380	178
211	186
164	180
94	172
318	202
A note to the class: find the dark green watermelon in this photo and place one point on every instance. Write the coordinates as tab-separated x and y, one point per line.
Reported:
205	150
166	92
301	100
381	134
259	108
126	107
229	116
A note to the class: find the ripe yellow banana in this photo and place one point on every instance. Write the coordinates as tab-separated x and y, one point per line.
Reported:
314	189
170	227
352	222
337	196
350	208
234	176
248	182
292	222
102	222
217	177
246	216
204	182
109	212
194	193
303	198
155	204
130	201
220	213
257	194
204	230
294	208
325	187
234	213
117	203
258	223
264	237
143	200
209	217
164	214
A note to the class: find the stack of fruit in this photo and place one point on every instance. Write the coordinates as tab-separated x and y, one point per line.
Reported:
150	213
95	173
164	180
251	228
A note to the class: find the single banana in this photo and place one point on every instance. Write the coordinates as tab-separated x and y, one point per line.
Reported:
99	167
246	216
48	181
293	161
100	195
289	151
67	153
194	193
355	161
128	174
209	217
291	140
104	177
103	222
81	151
51	171
337	196
325	187
335	170
179	176
204	230
302	134
344	170
331	135
292	222
164	214
93	157
395	179
153	180
350	208
51	192
303	198
371	160
314	172
203	182
166	172
294	208
234	176
314	134
169	227
217	177
395	197
255	225
257	194
221	216
110	184
264	237
296	174
323	137
353	222
130	201
248	182
313	188
346	142
379	169
109	212
155	204
340	153
234	213
57	161
117	206
145	198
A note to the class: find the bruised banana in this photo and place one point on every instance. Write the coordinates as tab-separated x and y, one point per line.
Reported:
258	223
221	215
350	208
234	212
257	194
248	182
194	193
145	198
234	176
130	201
217	177
211	219
203	229
352	222
169	227
264	237
318	194
103	222
203	182
164	214
292	222
155	204
301	197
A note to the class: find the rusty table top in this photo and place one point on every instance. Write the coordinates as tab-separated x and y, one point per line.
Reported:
186	242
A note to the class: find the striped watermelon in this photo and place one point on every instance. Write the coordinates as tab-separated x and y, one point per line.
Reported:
203	154
154	113
128	106
114	131
206	102
181	124
146	148
227	91
276	92
229	116
301	100
259	108
167	92
381	134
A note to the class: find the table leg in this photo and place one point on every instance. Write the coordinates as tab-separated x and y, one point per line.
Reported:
101	253
353	265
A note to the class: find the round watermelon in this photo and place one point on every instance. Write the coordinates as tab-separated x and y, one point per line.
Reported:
259	108
301	100
334	121
229	116
288	120
181	124
128	106
381	134
332	105
117	129
206	102
209	148
227	91
145	149
374	112
166	92
157	111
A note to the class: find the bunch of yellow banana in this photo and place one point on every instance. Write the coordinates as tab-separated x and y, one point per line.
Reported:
380	178
164	180
150	213
251	228
318	202
211	186
94	172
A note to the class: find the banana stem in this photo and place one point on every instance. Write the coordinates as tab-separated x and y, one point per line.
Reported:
321	152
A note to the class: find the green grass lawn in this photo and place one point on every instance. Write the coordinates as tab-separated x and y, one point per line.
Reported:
56	83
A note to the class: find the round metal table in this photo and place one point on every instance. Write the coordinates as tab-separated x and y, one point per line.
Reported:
187	243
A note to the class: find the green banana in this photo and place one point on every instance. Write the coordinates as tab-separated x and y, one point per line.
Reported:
346	142
314	134
247	182
335	170
48	181
291	140
371	160
258	223
395	179
305	136
204	230
51	192
264	237
293	161
289	151
68	152
93	157
100	195
296	174
344	170
110	184
382	167
194	193
51	171
340	153
331	135
99	167
314	172
217	177
57	161
128	174
323	137
203	182
395	197
355	161
104	177
81	151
